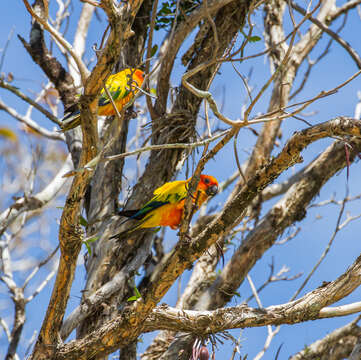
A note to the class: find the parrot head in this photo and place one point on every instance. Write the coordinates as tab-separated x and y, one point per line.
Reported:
138	76
208	184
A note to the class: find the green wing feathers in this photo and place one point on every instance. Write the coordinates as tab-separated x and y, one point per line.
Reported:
171	192
118	89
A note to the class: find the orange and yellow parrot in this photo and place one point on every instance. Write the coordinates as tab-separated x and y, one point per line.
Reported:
166	206
122	89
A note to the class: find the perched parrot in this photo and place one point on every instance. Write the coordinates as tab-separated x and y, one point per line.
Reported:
166	206
120	86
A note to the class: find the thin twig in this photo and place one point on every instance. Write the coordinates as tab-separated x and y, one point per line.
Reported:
30	101
281	65
5	48
271	332
167	146
149	53
39	266
325	252
352	52
32	124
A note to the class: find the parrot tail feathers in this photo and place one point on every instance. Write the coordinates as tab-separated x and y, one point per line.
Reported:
125	233
71	118
132	214
70	123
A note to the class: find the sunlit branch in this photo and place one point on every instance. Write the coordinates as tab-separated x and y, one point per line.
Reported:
317	349
335	36
84	72
80	37
167	146
30	101
31	123
36	201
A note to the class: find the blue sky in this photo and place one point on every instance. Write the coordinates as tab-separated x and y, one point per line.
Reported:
301	253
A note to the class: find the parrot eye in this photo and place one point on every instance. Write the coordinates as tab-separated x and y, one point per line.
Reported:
206	181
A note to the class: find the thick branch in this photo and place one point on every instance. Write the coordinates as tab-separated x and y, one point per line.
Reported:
288	210
31	123
175	43
59	38
127	327
205	322
328	345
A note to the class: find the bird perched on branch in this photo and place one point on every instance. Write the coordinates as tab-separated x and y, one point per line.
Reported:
167	205
122	86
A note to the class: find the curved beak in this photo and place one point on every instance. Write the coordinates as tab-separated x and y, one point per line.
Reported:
212	190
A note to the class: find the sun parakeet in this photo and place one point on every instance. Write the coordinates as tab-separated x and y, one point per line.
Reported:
166	206
120	86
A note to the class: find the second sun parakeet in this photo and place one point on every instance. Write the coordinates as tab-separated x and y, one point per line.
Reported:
122	88
166	206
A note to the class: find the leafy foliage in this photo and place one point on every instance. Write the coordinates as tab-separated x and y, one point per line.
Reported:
168	11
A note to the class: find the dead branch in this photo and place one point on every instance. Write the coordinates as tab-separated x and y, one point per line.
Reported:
331	342
127	327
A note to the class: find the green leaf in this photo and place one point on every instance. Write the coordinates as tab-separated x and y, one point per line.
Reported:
82	221
92	239
89	249
254	38
136	295
88	242
154	50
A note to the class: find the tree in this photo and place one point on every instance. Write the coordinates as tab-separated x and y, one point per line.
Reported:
119	162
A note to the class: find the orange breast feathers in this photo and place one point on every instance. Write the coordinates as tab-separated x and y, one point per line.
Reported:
166	206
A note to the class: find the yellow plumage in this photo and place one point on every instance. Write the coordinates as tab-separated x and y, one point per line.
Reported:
122	87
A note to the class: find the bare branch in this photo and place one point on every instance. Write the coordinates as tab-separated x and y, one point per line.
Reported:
349	5
38	267
36	201
323	346
288	210
6	328
342	310
167	146
126	329
31	123
22	96
41	286
337	229
207	322
93	301
303	309
80	40
175	43
84	72
335	36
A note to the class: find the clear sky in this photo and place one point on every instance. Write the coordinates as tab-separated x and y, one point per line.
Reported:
300	254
